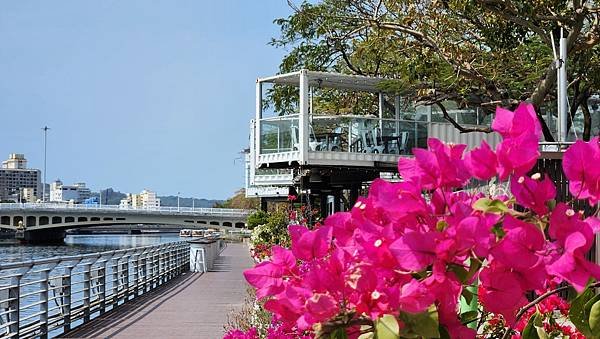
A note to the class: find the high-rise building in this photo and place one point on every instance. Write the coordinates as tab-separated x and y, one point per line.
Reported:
15	161
15	177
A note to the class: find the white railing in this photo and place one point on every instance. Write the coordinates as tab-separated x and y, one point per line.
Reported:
47	297
224	212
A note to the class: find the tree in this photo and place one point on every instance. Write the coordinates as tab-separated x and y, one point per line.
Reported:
476	53
239	200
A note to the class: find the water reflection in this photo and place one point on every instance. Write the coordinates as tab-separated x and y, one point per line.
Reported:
79	244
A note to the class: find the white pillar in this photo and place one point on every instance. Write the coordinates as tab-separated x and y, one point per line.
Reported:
257	118
397	113
562	89
303	120
381	107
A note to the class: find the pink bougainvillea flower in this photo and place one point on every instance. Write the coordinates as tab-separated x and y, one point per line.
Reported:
308	245
565	221
321	307
521	131
440	166
517	155
514	124
415	250
533	194
580	163
398	201
500	291
518	249
482	162
266	277
415	297
572	265
252	333
342	226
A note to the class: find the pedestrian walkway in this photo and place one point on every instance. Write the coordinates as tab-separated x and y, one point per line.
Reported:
192	306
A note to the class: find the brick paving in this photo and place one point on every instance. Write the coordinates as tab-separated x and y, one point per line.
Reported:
192	306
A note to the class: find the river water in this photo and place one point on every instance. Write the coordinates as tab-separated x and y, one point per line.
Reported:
79	244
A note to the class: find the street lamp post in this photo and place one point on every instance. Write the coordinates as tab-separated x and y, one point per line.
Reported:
45	129
193	204
178	193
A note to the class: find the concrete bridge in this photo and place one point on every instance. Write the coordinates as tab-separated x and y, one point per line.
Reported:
47	222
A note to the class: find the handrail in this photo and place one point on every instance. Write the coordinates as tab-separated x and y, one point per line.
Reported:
46	297
122	209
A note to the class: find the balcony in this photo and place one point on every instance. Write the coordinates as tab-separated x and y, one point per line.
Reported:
317	138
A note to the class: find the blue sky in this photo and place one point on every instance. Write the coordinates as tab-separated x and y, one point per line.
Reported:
138	94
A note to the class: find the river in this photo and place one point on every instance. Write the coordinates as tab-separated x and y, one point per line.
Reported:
78	244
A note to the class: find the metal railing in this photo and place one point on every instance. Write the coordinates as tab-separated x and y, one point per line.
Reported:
225	212
47	297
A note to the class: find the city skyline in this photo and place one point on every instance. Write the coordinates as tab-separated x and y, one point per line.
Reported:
136	95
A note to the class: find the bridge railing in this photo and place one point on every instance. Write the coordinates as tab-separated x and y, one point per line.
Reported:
227	212
47	297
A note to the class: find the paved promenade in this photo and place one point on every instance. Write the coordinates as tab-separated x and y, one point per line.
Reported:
192	306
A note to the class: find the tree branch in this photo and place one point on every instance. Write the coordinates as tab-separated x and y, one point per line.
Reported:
458	126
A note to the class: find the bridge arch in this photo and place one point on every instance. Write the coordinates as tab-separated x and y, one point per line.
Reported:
43	220
17	219
30	221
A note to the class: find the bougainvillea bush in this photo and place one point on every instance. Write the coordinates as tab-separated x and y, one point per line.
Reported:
425	258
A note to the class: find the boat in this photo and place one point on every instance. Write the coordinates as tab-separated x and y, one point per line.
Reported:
185	233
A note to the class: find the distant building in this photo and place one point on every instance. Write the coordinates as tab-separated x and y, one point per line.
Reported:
15	161
146	199
15	177
76	193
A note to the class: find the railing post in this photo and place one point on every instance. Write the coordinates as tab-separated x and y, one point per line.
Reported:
125	276
115	282
66	288
154	269
144	264
14	296
172	266
87	290
44	303
102	287
161	266
136	274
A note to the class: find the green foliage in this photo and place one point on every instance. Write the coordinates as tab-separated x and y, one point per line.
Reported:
387	327
257	218
585	313
594	319
532	330
490	206
274	231
424	324
472	52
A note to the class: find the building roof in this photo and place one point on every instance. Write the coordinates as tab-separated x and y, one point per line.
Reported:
328	80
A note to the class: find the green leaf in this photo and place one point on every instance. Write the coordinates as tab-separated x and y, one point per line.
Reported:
468	295
424	324
339	333
490	206
529	331
387	327
469	316
366	335
594	319
461	272
577	313
444	333
590	303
